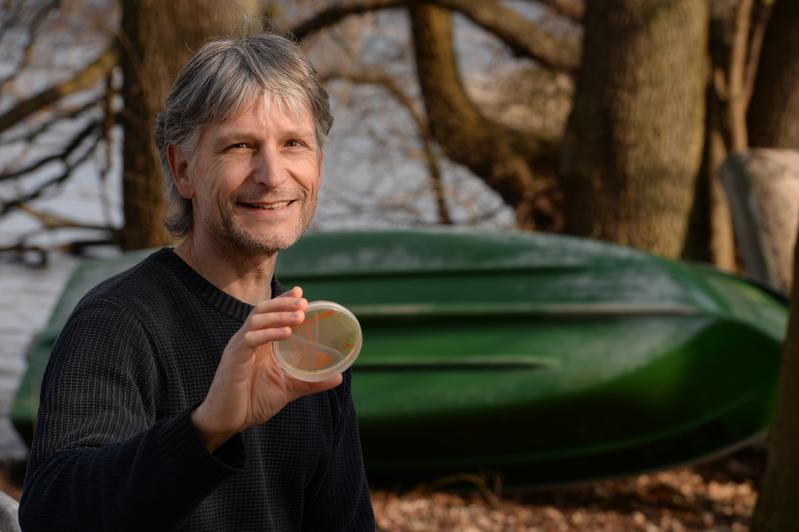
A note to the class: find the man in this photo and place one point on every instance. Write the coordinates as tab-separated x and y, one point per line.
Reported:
163	407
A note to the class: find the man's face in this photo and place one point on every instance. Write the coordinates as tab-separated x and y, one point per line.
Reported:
253	179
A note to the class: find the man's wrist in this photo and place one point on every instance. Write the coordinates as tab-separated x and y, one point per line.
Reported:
211	439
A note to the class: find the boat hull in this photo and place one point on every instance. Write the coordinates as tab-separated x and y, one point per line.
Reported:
542	358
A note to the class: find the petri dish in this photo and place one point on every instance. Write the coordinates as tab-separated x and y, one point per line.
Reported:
326	343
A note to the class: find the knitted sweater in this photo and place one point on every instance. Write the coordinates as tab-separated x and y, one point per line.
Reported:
115	448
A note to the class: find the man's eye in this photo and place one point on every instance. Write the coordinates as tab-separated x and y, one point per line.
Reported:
294	143
239	146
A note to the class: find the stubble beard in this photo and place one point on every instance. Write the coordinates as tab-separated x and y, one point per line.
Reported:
237	239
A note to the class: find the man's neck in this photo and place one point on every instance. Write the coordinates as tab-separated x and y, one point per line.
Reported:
246	278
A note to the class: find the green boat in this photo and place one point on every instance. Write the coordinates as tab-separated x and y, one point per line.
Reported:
543	358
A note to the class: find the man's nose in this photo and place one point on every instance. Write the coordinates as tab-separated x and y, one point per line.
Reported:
269	169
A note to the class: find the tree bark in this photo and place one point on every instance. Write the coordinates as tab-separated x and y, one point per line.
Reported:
776	509
773	115
710	236
157	39
634	140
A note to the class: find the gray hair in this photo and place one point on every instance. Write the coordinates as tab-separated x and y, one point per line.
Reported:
223	76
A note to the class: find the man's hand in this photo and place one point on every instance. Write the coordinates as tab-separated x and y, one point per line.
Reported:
249	387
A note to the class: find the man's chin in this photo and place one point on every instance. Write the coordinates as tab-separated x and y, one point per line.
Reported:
260	240
253	245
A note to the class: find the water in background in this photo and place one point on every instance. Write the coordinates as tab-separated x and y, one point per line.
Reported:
27	296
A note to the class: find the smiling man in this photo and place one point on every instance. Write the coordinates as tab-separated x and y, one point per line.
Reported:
163	407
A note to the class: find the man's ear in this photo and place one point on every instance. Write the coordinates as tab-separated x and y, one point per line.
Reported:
178	165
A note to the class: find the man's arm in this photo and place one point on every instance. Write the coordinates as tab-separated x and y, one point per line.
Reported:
100	460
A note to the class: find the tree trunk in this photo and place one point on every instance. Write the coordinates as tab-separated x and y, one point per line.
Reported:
157	39
776	509
710	234
773	115
634	140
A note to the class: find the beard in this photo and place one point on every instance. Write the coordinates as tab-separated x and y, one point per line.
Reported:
237	239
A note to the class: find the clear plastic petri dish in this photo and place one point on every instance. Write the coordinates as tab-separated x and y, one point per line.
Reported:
327	342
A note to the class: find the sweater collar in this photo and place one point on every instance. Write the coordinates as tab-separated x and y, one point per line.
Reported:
206	291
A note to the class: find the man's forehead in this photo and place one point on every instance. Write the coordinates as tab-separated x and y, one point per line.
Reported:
272	109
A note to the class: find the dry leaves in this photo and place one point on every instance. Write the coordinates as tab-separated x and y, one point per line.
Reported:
718	496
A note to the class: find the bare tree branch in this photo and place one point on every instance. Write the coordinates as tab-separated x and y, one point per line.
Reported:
381	79
56	221
760	16
37	18
92	73
336	13
501	156
571	9
73	144
524	37
737	69
15	203
65	114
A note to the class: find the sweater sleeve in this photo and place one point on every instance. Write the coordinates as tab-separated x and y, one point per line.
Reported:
101	460
342	501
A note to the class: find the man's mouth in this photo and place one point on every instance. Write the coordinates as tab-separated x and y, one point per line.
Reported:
267	206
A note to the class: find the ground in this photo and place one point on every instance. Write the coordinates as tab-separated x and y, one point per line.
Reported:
716	496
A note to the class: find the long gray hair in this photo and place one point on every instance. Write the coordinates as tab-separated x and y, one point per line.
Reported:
224	75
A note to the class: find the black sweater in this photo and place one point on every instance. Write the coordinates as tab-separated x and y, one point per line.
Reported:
115	448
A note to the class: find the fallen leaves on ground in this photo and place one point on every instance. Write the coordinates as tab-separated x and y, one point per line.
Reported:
718	496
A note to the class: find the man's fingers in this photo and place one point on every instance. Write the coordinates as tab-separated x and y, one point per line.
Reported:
275	319
282	303
294	292
262	336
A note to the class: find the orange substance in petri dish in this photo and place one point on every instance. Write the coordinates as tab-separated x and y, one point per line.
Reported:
324	359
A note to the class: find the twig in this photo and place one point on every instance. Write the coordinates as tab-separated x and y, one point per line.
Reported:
470	478
383	80
16	202
83	79
76	141
66	114
36	21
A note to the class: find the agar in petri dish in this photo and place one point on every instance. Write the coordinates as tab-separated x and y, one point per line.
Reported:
327	342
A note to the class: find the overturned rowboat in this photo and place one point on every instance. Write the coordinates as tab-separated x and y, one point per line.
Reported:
541	357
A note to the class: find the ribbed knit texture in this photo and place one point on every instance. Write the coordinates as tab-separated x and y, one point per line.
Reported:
115	448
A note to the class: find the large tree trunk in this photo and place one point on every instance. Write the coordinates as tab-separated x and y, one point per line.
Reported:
773	115
633	144
776	509
773	120
157	39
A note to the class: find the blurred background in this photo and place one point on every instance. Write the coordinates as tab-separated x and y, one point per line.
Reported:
665	125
